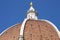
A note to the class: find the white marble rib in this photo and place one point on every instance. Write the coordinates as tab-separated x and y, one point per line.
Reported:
22	29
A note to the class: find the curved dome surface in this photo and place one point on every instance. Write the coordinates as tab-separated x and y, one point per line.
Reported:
34	30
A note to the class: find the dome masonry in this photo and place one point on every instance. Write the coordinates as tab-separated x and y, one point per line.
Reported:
31	28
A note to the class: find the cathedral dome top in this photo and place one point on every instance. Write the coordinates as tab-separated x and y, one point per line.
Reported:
31	9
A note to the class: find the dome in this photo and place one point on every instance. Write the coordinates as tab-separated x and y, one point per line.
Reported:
34	30
31	28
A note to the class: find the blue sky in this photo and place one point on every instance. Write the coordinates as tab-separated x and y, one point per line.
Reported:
14	11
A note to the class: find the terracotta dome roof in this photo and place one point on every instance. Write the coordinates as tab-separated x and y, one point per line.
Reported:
34	30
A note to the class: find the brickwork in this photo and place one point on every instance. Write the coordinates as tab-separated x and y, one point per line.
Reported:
34	30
